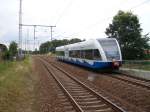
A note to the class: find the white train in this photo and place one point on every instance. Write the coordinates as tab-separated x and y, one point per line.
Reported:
100	53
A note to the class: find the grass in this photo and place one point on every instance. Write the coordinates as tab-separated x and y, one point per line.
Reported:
16	86
137	66
4	65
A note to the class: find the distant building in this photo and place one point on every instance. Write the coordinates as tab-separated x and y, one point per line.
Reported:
2	49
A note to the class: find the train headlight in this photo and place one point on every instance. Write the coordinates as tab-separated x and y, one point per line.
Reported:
115	63
113	60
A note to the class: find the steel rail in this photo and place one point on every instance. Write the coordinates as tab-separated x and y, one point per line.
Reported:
132	82
125	74
75	104
107	101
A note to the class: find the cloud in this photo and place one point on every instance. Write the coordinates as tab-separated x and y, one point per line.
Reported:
75	18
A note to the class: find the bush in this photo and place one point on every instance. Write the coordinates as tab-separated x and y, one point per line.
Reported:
6	55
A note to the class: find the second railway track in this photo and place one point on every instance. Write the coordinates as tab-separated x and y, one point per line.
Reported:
83	98
127	78
134	81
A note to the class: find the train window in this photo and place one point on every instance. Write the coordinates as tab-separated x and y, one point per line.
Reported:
71	54
78	54
60	53
110	48
82	54
75	54
97	55
89	54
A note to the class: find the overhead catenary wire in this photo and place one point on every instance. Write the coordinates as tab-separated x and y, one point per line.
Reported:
90	26
63	12
95	24
106	19
142	3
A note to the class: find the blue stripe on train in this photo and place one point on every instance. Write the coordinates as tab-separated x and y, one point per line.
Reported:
96	65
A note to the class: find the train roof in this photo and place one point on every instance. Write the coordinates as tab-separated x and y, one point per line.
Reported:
81	45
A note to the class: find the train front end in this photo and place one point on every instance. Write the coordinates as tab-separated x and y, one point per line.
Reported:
112	52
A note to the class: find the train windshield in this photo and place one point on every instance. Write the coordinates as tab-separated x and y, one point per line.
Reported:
111	49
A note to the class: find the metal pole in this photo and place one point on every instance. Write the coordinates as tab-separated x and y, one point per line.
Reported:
34	26
27	40
20	29
52	32
28	46
25	46
34	38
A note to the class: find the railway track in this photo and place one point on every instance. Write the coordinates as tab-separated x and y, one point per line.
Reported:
131	80
82	98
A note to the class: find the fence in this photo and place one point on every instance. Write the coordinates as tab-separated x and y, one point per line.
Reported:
137	64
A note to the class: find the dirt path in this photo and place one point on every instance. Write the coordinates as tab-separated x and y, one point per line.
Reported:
46	97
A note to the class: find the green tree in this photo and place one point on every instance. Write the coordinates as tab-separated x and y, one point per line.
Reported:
45	47
50	46
74	40
6	55
125	27
13	49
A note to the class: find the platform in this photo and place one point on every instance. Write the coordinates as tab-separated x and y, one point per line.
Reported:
137	73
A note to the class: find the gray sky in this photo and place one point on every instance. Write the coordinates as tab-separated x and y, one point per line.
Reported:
83	19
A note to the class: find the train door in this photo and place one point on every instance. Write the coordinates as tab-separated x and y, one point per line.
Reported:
66	53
